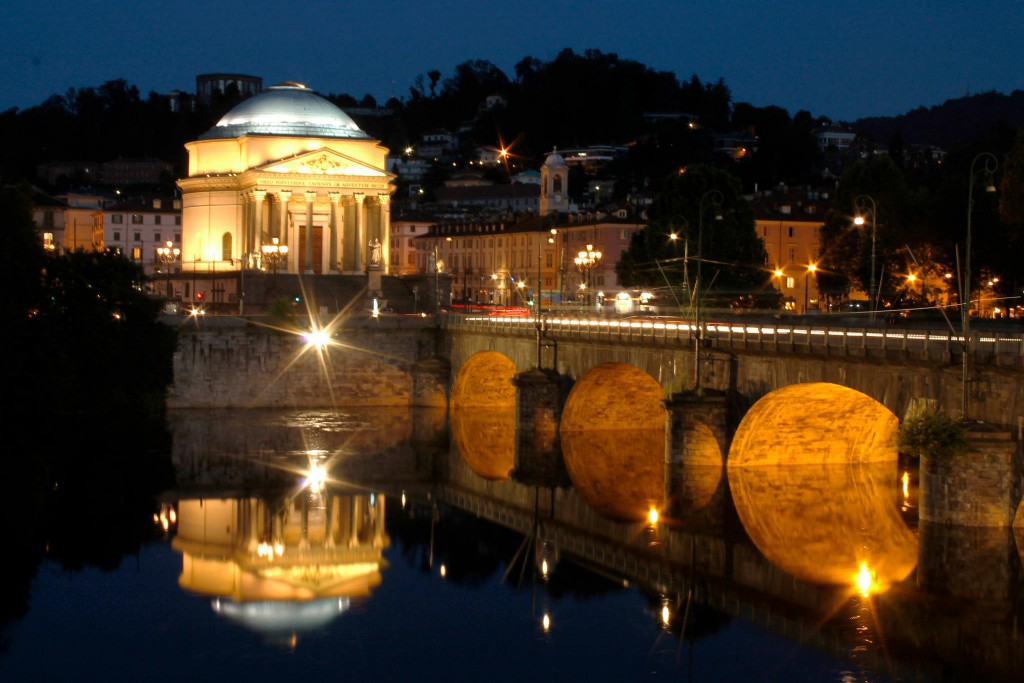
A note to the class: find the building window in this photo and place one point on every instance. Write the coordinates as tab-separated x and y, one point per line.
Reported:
156	237
137	236
177	237
117	219
225	247
136	219
550	260
137	254
117	236
791	231
157	219
48	219
177	220
790	282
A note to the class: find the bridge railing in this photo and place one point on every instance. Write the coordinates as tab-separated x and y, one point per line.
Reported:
996	347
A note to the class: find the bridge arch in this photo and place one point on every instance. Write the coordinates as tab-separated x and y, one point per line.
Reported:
815	423
613	440
483	410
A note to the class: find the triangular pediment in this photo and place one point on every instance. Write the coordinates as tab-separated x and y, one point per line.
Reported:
323	161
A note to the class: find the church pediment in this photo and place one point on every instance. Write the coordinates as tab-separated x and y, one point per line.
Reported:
323	162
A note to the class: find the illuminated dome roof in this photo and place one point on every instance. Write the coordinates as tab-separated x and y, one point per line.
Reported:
286	109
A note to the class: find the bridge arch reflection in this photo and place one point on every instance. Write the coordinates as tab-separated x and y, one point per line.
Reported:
613	440
483	409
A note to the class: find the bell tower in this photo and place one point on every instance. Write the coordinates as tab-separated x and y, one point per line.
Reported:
554	185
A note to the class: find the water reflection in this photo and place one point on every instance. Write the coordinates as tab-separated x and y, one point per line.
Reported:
282	565
620	473
831	524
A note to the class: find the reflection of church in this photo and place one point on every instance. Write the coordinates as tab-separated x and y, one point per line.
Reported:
274	564
285	165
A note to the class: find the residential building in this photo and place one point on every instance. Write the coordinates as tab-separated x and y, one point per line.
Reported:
789	220
137	226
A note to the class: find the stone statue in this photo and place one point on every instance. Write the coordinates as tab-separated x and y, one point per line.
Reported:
375	252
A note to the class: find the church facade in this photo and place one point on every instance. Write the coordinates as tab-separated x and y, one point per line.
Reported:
286	168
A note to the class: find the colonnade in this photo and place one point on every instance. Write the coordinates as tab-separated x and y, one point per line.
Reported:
325	231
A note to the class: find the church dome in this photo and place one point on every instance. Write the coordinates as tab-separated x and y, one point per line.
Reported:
289	109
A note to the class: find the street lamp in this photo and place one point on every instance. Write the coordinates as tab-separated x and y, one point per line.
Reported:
811	268
716	201
168	254
861	204
991	164
586	261
274	253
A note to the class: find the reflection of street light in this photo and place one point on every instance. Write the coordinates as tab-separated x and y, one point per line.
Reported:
811	268
991	164
861	204
586	261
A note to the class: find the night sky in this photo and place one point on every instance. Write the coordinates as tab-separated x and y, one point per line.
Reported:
836	58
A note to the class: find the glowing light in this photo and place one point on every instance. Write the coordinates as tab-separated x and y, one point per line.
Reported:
544	568
778	272
865	581
652	515
545	622
444	571
317	337
316	477
859	220
666	615
906	484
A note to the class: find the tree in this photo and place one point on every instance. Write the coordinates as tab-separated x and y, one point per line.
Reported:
845	256
733	257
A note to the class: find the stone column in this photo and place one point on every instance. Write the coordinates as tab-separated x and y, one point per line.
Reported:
696	443
331	505
359	262
243	234
282	229
538	457
335	233
310	198
378	522
384	202
257	243
356	516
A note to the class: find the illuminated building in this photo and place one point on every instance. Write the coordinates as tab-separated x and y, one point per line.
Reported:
288	164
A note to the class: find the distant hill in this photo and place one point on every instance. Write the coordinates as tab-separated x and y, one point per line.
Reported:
950	123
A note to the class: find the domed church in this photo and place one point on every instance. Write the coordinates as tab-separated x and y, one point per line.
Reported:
286	165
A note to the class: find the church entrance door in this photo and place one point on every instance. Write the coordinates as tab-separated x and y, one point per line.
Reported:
318	249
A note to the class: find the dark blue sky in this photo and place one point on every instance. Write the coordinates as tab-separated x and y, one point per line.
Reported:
835	58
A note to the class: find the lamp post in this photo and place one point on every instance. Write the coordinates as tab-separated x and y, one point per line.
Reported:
274	253
168	254
698	339
811	268
991	164
586	261
861	204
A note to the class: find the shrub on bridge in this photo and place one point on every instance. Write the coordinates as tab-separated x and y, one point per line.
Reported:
931	432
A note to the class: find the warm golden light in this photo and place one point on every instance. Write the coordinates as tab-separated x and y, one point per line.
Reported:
812	268
444	571
652	515
544	568
906	484
316	477
666	615
673	236
317	337
545	622
859	220
911	277
778	272
865	581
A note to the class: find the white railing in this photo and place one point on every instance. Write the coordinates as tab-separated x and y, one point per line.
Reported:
747	335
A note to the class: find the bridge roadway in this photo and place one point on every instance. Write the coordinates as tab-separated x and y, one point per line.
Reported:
896	366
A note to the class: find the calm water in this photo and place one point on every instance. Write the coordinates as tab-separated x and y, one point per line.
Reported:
408	565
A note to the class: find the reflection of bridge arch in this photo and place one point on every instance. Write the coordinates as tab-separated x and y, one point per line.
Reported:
613	440
484	414
815	422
